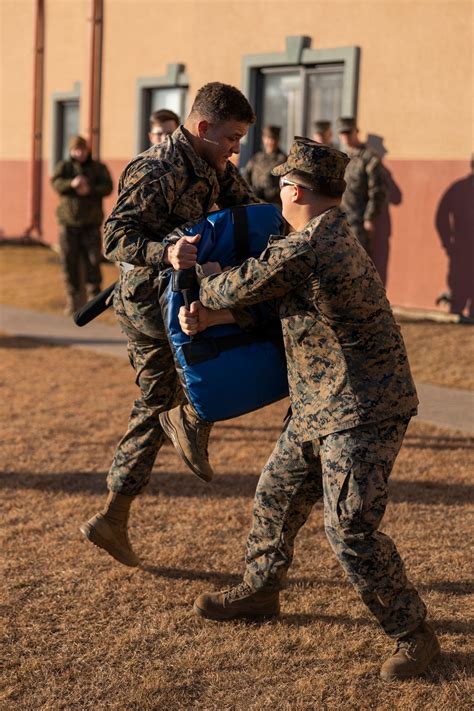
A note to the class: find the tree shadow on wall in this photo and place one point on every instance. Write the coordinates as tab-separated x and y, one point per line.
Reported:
455	225
383	223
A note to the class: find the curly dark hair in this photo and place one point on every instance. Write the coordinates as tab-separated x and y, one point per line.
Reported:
222	102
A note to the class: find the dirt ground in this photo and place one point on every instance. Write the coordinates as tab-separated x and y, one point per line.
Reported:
83	632
441	354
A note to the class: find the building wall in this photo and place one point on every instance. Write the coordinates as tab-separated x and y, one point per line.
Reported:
414	94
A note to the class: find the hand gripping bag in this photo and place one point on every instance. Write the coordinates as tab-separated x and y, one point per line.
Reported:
226	372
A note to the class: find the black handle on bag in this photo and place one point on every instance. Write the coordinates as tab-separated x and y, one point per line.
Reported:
185	281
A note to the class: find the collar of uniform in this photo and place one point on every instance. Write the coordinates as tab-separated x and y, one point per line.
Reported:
332	212
201	168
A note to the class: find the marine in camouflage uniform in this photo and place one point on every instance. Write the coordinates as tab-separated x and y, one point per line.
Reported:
163	189
80	216
258	171
352	396
322	133
366	191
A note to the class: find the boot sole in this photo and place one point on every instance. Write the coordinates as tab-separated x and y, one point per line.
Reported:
256	616
100	542
171	433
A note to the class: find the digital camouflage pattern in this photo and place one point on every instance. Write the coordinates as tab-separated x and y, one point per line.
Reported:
316	159
366	191
160	191
347	363
349	470
156	377
163	189
351	395
258	174
81	210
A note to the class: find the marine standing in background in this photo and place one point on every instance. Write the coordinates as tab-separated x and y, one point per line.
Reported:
366	190
257	172
323	133
162	124
169	185
81	183
352	396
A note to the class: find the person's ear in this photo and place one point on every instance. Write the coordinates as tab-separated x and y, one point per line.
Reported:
297	194
202	127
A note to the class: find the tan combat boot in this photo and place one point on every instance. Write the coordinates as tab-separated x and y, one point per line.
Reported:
240	601
108	530
413	654
190	436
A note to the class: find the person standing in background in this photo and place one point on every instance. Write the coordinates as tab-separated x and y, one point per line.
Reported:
162	124
257	172
81	183
366	191
323	133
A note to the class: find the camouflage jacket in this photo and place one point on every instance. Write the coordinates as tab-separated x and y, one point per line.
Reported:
366	190
164	188
257	174
347	363
81	210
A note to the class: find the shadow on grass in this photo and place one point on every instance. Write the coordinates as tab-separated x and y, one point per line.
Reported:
23	343
221	580
438	443
225	486
449	667
430	492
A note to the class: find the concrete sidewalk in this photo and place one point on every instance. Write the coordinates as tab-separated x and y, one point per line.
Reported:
62	331
445	407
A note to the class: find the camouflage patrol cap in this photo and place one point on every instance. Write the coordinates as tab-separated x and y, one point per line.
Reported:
322	126
346	124
317	160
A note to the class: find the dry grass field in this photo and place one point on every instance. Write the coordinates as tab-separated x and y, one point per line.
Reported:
83	632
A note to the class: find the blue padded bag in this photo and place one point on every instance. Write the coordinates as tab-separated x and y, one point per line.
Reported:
224	371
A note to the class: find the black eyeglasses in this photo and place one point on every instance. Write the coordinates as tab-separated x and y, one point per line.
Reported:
284	181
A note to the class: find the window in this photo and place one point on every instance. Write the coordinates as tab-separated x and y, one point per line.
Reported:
173	98
298	87
294	99
68	126
154	93
66	120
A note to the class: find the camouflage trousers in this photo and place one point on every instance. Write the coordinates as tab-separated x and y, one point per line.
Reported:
159	391
349	470
81	251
